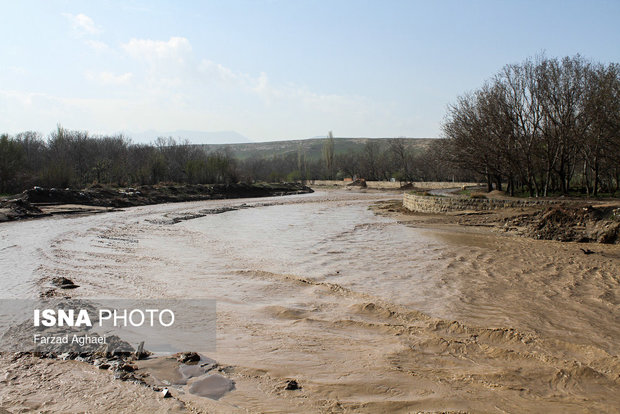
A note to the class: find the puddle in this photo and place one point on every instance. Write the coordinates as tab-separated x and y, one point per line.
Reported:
212	386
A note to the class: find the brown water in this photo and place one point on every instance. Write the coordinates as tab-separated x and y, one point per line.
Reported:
365	313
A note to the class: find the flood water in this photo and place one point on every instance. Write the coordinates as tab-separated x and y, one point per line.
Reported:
365	313
321	237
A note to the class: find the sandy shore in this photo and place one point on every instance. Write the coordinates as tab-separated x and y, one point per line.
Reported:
466	319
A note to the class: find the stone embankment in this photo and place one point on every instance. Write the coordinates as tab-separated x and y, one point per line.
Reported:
439	204
389	185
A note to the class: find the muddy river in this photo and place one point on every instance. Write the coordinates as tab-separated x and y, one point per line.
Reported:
365	313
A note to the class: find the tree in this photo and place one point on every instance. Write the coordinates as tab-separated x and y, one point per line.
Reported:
11	162
401	158
535	123
328	155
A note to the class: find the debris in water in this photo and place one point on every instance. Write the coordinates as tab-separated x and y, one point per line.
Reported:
292	385
64	283
185	357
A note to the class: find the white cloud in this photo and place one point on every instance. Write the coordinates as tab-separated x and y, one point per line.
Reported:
109	78
177	48
178	90
82	24
216	70
200	90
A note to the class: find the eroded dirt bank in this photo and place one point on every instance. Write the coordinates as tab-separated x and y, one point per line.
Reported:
365	313
38	201
574	221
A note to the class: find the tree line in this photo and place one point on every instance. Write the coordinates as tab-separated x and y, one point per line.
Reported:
543	126
375	160
78	159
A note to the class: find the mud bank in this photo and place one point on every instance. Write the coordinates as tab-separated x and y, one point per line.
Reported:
566	222
38	202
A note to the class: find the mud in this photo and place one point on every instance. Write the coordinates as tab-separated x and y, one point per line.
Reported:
582	223
365	313
568	222
40	202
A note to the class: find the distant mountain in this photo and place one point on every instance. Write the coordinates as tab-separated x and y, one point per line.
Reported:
311	147
194	137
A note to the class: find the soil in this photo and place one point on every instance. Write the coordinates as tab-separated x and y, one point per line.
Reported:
567	222
371	316
39	201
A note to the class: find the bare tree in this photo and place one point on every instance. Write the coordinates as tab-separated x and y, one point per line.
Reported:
328	155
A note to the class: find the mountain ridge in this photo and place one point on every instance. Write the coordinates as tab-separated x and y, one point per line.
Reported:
311	147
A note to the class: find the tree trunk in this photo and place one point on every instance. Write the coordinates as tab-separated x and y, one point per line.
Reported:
596	178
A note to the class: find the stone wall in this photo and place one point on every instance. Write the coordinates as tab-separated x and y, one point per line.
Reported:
436	204
429	185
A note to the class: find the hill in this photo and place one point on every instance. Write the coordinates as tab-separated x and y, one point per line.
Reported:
312	147
196	137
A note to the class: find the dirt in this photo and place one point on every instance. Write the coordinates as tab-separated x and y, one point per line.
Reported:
581	223
14	209
48	385
40	202
566	222
325	307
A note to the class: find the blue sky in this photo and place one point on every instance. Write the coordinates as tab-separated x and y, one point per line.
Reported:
277	69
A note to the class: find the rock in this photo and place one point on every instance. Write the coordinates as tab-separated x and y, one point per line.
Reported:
185	357
292	385
127	367
68	356
64	283
69	286
360	182
166	393
140	352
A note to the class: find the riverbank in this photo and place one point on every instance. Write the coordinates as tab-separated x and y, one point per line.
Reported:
549	219
40	202
364	313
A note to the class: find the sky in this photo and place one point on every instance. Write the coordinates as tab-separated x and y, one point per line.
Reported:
274	69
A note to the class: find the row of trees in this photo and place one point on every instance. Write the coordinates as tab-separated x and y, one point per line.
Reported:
376	160
545	125
76	159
